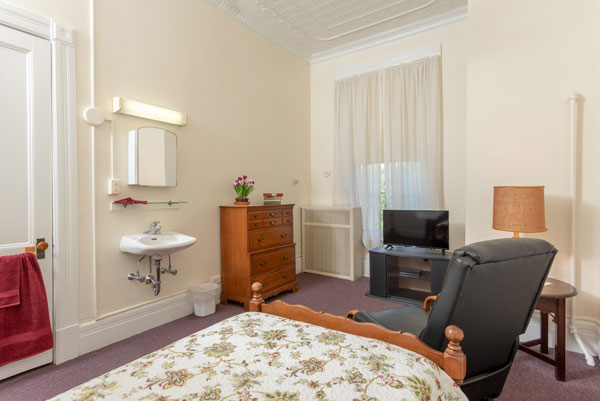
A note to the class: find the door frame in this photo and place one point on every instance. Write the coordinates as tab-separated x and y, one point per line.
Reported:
65	255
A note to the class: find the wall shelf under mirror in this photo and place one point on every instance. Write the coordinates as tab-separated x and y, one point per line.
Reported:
149	205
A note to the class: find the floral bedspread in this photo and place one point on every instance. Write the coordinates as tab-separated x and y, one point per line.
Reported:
256	356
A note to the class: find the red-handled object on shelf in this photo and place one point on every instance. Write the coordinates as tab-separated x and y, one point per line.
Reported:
129	201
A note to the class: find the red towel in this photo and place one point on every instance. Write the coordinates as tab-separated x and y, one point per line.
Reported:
9	281
25	328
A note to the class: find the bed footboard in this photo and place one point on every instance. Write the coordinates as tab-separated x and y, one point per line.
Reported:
452	360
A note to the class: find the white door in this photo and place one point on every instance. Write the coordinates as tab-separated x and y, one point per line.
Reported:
26	158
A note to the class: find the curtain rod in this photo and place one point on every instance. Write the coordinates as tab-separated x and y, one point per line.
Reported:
406	57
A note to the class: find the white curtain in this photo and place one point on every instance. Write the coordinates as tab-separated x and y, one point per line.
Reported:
388	138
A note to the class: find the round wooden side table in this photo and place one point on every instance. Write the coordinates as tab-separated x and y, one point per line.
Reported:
552	301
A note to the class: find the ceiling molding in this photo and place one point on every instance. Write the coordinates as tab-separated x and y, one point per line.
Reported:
436	22
317	30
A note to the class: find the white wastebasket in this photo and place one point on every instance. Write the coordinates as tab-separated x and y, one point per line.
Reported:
203	296
218	294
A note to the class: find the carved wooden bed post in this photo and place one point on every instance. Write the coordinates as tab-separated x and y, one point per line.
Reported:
257	300
455	364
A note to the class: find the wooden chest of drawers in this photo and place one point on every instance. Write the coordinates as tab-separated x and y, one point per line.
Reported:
257	244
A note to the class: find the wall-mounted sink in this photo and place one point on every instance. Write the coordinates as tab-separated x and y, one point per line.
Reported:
155	244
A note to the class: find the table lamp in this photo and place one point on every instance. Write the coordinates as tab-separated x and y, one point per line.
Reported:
519	209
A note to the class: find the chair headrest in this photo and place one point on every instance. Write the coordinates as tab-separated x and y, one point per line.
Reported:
505	248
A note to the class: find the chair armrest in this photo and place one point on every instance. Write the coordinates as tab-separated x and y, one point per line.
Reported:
350	314
428	302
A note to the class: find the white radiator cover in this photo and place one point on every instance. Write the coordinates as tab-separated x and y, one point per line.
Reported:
331	241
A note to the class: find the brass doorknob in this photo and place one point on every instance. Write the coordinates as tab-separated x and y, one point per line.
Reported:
42	246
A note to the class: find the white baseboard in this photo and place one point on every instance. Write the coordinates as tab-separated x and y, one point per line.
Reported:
66	344
100	333
588	329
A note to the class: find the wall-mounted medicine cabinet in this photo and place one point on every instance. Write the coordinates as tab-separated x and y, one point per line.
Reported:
152	157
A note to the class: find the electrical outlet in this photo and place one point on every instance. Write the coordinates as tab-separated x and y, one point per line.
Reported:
113	186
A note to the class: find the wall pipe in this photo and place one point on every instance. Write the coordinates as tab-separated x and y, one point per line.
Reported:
573	99
93	159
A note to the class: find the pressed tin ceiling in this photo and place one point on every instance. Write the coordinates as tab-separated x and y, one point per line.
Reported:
316	30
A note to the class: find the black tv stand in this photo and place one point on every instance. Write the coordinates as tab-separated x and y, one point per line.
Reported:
406	275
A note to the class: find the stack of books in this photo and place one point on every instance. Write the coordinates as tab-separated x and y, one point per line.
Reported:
273	198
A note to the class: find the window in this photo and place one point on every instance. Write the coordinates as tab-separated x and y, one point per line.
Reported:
388	132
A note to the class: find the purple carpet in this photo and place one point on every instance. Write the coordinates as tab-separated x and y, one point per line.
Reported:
529	378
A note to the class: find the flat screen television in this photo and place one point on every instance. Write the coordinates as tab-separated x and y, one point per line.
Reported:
420	228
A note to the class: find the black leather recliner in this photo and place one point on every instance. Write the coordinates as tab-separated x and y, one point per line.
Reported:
490	292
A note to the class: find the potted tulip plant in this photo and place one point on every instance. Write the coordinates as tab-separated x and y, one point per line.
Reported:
243	187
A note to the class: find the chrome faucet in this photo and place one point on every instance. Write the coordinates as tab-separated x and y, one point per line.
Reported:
154	228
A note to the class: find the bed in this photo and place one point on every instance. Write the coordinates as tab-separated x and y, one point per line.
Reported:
286	353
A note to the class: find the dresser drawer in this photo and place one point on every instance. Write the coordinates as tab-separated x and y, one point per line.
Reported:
264	262
255	224
255	215
272	222
270	214
269	238
273	280
288	216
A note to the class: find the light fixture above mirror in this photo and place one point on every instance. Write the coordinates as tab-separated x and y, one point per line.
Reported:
148	111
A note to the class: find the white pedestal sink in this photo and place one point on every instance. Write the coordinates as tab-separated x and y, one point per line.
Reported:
156	244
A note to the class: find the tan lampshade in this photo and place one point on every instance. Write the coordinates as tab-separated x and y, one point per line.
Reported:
519	209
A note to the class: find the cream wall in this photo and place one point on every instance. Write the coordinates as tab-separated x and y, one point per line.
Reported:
250	103
522	59
453	38
248	107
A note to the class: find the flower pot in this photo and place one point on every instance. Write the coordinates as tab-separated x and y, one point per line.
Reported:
241	201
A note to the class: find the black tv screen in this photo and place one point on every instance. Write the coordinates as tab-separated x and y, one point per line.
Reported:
421	228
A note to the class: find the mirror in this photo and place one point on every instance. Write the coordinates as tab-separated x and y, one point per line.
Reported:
152	157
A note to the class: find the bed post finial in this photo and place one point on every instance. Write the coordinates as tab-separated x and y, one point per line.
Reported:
454	358
257	300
